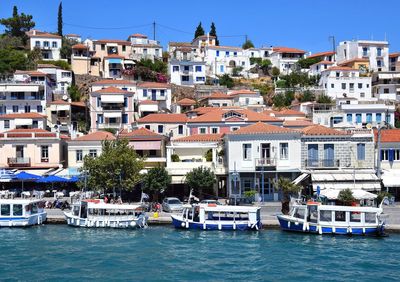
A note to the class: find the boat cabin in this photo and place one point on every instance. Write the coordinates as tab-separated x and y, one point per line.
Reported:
98	208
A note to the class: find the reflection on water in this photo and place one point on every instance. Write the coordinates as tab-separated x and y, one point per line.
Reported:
162	253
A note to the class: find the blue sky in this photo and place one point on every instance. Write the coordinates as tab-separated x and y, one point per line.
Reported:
305	24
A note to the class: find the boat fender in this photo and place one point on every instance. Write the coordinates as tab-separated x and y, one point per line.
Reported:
219	226
363	230
234	226
187	224
86	222
349	230
333	229
204	226
319	228
304	226
183	224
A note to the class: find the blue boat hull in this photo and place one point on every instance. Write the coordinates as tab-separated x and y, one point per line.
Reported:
288	225
194	225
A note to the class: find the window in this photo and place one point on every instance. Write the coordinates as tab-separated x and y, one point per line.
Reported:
325	215
185	78
54	44
332	85
227	53
221	68
5	210
103	47
369	117
27	109
379	63
198	68
235	54
99	118
44	154
362	95
234	128
386	90
15	109
359	85
39	108
124	118
17	209
125	102
6	123
175	68
45	55
337	74
46	43
200	78
160	128
65	74
37	43
79	155
180	129
367	85
358	118
246	152
378	117
162	92
144	92
98	101
35	124
343	86
365	51
217	53
147	126
284	151
349	118
361	151
202	130
93	153
214	130
186	68
153	153
351	87
379	52
123	48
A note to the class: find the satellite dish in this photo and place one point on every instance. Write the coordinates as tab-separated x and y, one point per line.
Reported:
369	126
65	97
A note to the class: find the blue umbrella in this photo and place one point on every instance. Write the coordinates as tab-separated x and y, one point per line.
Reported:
73	179
26	176
53	178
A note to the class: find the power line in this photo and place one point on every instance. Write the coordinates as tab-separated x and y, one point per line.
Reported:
105	28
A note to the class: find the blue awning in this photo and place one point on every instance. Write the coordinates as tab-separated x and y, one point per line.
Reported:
114	61
52	178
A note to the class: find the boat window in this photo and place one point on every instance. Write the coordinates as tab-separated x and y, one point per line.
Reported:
370	217
5	209
76	211
209	215
34	208
340	216
355	217
299	213
312	214
325	215
17	209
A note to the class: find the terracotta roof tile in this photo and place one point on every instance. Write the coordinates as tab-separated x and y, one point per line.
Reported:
154	85
96	136
22	115
339	68
48	66
59	102
148	102
289	112
262	128
319	130
112	90
27	133
38	33
297	123
217	115
141	134
200	138
394	55
218	95
118	41
113	56
351	61
80	46
138	35
322	54
163	118
186	102
113	81
323	63
31	72
242	91
388	135
280	49
78	104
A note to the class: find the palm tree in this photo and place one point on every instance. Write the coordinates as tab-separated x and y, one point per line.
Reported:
288	188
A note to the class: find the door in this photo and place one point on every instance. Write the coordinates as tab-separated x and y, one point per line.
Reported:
154	95
265	153
329	155
312	155
19	151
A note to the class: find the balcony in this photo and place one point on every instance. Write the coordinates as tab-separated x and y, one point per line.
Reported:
19	162
322	163
265	162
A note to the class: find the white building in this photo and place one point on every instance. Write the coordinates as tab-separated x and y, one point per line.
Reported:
223	59
22	121
386	85
339	82
394	61
376	51
60	79
48	43
155	91
285	58
318	68
187	73
74	37
144	48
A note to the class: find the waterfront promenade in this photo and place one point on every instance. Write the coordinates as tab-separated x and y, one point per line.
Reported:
268	214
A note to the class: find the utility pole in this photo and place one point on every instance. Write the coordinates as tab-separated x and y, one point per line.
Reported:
245	38
154	30
332	37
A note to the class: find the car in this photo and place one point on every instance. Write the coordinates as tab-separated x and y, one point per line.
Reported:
172	204
210	202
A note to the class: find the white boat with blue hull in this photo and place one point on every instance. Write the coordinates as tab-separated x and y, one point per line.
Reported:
218	217
21	212
98	214
317	218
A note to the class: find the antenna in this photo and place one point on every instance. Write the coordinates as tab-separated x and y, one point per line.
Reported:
154	30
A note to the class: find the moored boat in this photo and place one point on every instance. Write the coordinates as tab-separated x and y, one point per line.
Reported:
314	217
21	212
98	214
218	217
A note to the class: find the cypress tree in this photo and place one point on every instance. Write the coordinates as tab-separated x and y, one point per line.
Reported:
60	20
199	31
213	32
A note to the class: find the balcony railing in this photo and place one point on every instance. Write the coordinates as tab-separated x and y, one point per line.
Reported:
265	162
19	162
322	163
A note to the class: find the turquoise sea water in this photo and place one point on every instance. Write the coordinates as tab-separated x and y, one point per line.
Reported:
59	252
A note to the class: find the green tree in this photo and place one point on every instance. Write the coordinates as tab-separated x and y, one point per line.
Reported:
199	31
346	197
66	48
8	41
11	60
226	80
74	93
324	99
288	189
34	56
60	63
307	96
156	66
307	62
236	70
156	181
275	72
213	32
265	66
118	167
283	100
18	24
60	20
248	44
201	180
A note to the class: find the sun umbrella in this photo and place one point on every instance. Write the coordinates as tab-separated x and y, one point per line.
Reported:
23	176
52	179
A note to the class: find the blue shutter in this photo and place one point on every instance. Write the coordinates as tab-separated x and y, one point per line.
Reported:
312	154
349	118
369	118
361	152
391	155
125	102
378	117
125	118
144	92
329	155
